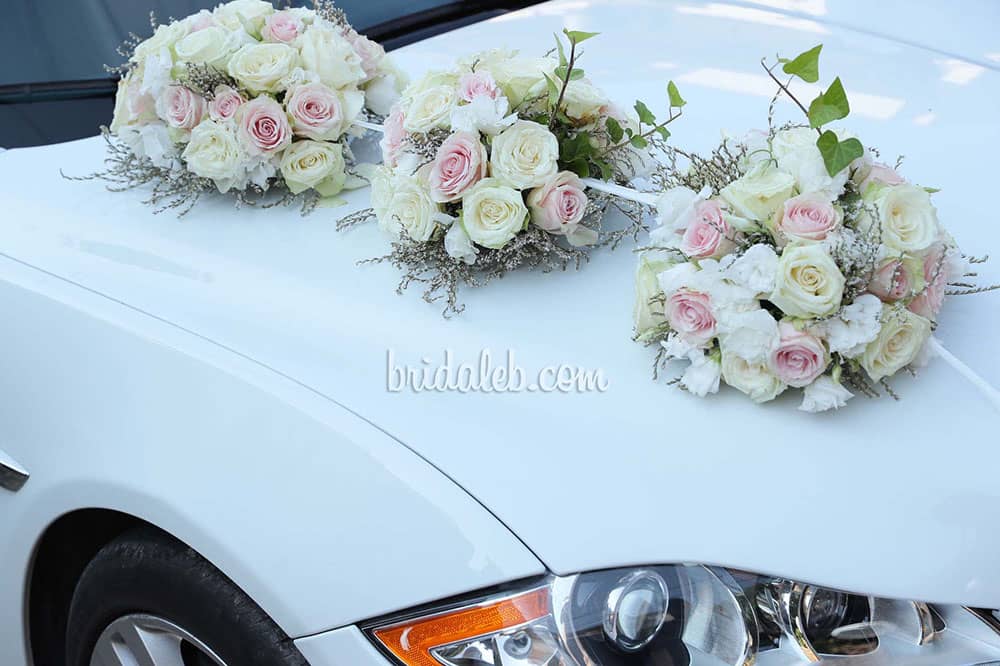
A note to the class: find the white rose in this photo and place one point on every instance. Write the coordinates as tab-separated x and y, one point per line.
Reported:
755	269
381	93
263	67
165	37
760	193
808	282
433	79
493	213
214	152
410	209
796	152
898	343
518	76
752	334
233	15
211	46
906	216
646	314
702	376
430	108
525	155
854	326
752	378
315	165
483	114
327	53
584	101
458	245
824	394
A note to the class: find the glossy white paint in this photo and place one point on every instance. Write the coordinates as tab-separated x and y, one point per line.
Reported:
895	499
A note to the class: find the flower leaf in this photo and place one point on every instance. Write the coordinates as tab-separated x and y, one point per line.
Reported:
829	106
837	154
615	130
663	132
646	116
676	101
553	89
578	37
805	65
562	51
639	142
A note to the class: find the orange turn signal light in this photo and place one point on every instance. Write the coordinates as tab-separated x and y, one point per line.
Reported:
411	642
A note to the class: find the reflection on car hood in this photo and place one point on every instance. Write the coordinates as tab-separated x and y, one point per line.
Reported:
897	499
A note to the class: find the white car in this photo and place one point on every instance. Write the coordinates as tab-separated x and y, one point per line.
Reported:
204	460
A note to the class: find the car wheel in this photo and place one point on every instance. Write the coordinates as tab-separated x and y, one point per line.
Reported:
148	599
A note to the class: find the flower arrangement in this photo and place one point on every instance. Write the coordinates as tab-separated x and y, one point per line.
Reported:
501	163
245	99
793	258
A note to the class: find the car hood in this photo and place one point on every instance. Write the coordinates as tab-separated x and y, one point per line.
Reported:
892	498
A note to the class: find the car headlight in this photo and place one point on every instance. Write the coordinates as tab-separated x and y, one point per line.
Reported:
686	615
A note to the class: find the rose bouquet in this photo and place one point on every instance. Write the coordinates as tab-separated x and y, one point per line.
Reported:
793	258
502	163
245	99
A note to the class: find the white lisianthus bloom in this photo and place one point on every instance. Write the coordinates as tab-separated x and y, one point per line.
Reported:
906	216
703	375
675	209
760	193
493	213
854	327
430	108
263	67
165	37
525	155
899	342
808	282
647	315
458	245
823	394
483	114
755	269
752	378
156	73
153	141
409	209
211	46
677	347
214	152
751	334
316	165
796	153
234	15
325	51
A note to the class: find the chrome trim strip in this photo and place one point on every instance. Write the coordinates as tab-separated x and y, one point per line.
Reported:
12	475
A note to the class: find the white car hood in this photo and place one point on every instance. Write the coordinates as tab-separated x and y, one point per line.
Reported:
892	498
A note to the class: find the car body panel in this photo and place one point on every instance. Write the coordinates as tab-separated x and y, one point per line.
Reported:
895	499
319	516
347	645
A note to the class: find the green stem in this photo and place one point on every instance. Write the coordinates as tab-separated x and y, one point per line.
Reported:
784	89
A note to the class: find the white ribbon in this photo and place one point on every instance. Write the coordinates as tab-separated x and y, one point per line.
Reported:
984	387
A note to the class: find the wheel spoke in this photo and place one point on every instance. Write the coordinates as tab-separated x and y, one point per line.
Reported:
139	640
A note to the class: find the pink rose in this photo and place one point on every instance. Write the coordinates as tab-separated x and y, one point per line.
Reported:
316	112
180	107
371	53
460	163
708	234
559	205
393	136
800	357
882	174
478	84
283	26
808	217
263	126
225	103
690	314
891	281
930	299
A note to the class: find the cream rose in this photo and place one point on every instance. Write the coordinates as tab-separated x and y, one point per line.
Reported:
493	213
525	155
316	165
760	193
898	343
808	282
753	379
214	152
518	76
327	52
906	216
263	67
409	209
646	313
430	108
584	102
166	37
209	45
232	15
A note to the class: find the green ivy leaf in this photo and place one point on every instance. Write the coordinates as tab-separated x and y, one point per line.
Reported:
676	101
579	37
580	167
837	154
646	116
805	65
932	190
606	173
562	51
577	73
554	89
615	130
829	106
639	142
663	132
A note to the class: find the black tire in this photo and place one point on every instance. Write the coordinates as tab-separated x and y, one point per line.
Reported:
147	571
